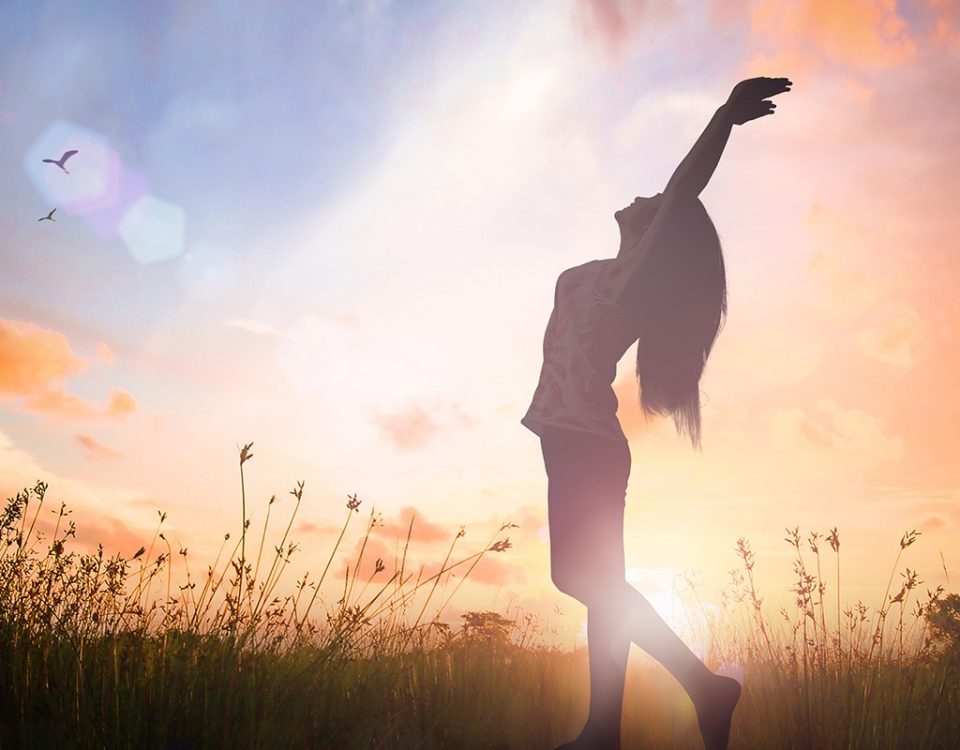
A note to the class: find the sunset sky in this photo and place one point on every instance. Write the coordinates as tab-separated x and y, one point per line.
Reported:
334	230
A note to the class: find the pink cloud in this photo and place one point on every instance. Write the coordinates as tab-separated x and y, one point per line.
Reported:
308	527
95	448
58	401
105	352
114	535
797	37
494	572
423	530
33	363
374	550
932	523
413	427
408	428
62	404
31	358
120	403
947	21
612	24
382	543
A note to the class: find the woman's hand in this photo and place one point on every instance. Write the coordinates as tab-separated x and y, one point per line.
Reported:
750	98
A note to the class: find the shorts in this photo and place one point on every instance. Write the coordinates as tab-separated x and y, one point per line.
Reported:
586	496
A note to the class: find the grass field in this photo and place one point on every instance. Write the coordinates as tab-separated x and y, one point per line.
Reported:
111	652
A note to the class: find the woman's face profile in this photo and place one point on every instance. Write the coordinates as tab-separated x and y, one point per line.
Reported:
636	217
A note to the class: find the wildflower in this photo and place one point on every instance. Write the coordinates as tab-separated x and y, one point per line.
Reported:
501	545
352	502
245	453
743	550
793	537
834	539
909	537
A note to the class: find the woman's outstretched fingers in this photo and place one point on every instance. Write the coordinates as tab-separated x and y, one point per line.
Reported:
757	89
750	98
752	110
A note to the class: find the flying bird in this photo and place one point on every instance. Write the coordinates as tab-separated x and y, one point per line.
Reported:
62	160
48	217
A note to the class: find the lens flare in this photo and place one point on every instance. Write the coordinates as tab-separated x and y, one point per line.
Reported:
153	229
96	185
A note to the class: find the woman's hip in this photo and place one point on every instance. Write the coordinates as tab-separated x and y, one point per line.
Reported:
585	468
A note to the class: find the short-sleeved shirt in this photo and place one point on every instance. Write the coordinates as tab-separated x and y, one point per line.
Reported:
585	337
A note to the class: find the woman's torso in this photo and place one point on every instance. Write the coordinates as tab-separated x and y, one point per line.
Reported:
585	337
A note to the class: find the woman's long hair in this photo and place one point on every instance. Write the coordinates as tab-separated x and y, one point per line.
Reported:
681	301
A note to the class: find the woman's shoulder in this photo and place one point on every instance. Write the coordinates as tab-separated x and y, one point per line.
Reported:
590	267
576	279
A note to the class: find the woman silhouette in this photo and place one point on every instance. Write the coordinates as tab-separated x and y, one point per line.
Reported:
666	290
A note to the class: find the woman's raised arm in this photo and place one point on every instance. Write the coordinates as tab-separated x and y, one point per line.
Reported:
749	100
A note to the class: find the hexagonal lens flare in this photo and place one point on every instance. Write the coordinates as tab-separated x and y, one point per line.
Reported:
153	229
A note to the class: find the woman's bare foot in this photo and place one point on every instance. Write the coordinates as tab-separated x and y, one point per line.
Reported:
716	710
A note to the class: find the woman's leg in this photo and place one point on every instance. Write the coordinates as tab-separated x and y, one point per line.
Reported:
586	479
587	485
608	651
628	616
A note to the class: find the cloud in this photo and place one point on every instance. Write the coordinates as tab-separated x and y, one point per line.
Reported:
373	549
387	541
413	426
493	572
947	21
58	401
34	361
32	357
409	428
423	530
835	433
120	403
932	523
308	527
489	571
853	261
105	352
802	37
62	404
892	338
614	24
118	528
255	327
113	534
95	448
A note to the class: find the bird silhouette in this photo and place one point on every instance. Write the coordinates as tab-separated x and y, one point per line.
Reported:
62	160
48	217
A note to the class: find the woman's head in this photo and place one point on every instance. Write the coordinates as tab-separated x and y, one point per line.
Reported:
680	303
